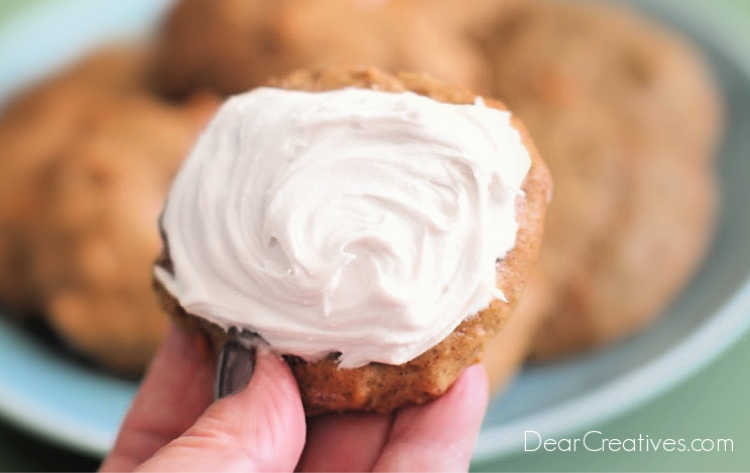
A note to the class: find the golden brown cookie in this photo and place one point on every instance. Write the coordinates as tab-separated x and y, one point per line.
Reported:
33	128
626	118
87	159
234	45
380	387
105	193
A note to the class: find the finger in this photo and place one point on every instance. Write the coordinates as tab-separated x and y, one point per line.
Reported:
438	436
344	442
261	428
175	391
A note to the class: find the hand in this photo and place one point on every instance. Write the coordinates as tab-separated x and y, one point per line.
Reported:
174	424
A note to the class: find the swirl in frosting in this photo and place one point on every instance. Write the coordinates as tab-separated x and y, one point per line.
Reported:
354	221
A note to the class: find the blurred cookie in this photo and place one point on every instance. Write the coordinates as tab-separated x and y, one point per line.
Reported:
87	159
627	118
104	196
326	387
33	128
234	45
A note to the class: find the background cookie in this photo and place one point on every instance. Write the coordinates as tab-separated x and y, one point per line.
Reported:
88	156
105	195
234	45
627	119
33	128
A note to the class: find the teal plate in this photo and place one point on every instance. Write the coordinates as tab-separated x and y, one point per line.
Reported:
65	400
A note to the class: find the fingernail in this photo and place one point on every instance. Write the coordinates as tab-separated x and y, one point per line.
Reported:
236	366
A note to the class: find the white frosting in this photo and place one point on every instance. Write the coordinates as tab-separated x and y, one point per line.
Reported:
353	221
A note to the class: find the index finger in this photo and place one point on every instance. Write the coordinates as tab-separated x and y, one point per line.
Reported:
174	393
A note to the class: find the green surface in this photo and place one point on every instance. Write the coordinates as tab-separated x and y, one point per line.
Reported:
711	404
10	8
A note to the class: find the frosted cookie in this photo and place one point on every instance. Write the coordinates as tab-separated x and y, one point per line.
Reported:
376	230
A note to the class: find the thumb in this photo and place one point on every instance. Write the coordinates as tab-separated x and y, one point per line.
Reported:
261	428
